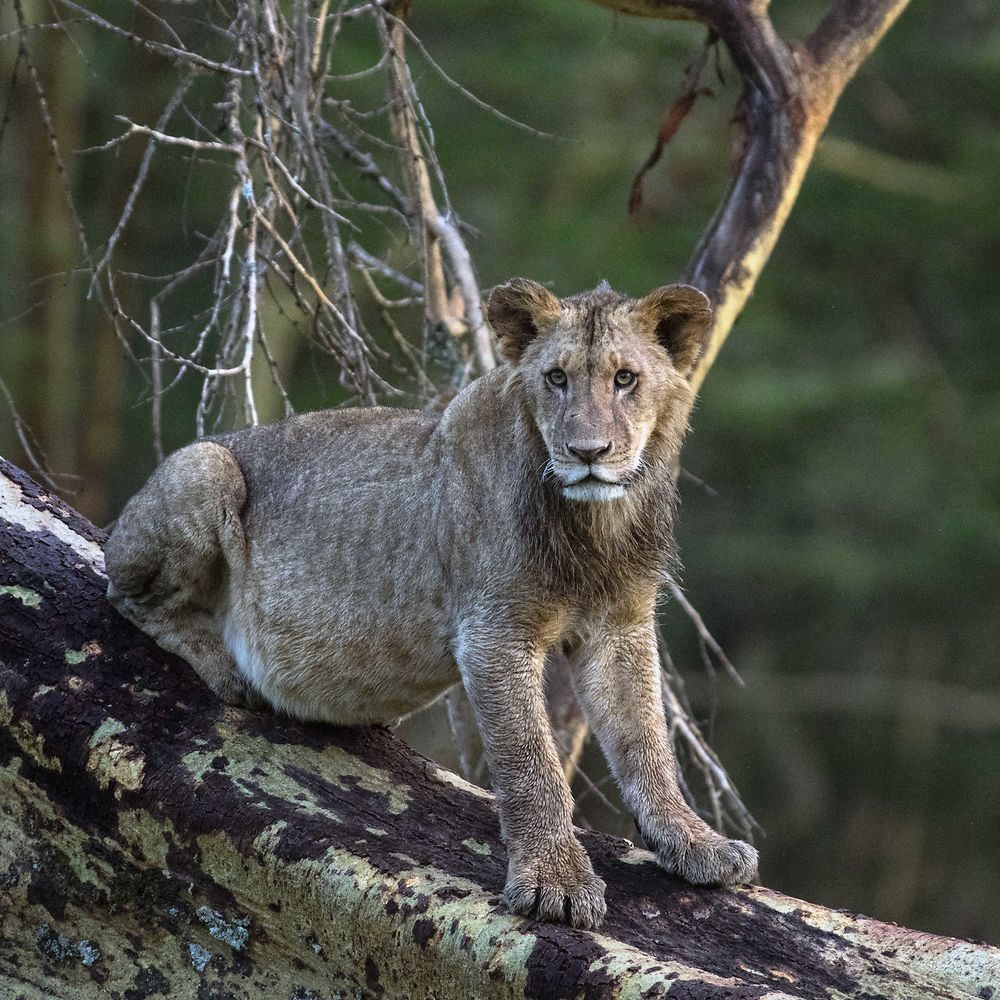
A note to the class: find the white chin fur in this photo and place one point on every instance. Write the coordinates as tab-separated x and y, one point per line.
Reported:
586	492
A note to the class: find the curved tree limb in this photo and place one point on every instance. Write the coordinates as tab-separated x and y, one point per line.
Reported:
789	93
156	842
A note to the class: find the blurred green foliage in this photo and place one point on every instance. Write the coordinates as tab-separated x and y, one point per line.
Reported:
846	550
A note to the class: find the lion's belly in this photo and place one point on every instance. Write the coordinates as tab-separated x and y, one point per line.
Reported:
336	614
351	664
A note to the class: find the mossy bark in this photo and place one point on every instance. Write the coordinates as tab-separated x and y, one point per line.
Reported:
154	842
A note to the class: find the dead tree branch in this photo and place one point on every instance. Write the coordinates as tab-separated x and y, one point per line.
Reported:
452	298
290	223
789	93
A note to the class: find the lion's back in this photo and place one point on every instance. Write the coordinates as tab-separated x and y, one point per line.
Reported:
328	453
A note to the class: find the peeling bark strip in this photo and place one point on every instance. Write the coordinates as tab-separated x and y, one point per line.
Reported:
154	842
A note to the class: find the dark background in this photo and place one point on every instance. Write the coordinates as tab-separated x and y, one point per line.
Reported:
846	547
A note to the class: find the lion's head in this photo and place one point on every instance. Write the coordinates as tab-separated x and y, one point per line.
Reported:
606	376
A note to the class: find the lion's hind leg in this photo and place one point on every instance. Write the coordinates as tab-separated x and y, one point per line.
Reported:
175	547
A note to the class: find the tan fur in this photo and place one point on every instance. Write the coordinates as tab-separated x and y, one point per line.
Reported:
351	565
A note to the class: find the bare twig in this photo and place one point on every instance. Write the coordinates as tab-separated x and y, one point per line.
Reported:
726	808
672	120
140	180
709	646
184	57
30	445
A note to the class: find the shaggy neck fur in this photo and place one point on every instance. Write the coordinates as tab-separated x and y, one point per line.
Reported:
600	549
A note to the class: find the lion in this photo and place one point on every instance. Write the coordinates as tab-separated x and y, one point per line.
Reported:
349	566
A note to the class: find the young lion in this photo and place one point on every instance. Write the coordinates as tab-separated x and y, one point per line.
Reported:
351	565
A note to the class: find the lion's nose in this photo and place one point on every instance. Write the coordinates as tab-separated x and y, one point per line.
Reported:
587	452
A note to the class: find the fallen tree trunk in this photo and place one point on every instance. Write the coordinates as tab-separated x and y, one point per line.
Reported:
155	842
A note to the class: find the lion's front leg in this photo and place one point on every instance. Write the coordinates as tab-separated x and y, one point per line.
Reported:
549	873
617	678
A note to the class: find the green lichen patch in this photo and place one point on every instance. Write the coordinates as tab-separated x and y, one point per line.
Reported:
199	761
638	973
477	848
57	947
76	656
108	728
238	756
200	956
30	742
265	842
235	932
151	836
116	764
349	773
29	598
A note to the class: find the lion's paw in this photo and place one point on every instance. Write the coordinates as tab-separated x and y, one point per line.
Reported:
557	885
703	858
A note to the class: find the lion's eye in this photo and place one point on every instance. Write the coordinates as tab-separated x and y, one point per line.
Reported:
624	378
557	378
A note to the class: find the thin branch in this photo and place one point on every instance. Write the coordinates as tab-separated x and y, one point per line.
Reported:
173	140
39	465
156	367
140	180
371	263
704	635
184	57
467	94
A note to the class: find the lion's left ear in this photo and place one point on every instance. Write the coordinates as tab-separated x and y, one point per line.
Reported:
679	317
519	311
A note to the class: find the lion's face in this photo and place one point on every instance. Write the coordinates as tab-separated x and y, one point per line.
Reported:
605	376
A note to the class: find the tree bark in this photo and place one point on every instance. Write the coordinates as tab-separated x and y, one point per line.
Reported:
156	842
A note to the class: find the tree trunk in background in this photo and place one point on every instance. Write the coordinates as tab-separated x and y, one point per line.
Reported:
789	92
156	842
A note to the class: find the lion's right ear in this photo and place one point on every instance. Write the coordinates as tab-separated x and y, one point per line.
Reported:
519	311
679	317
